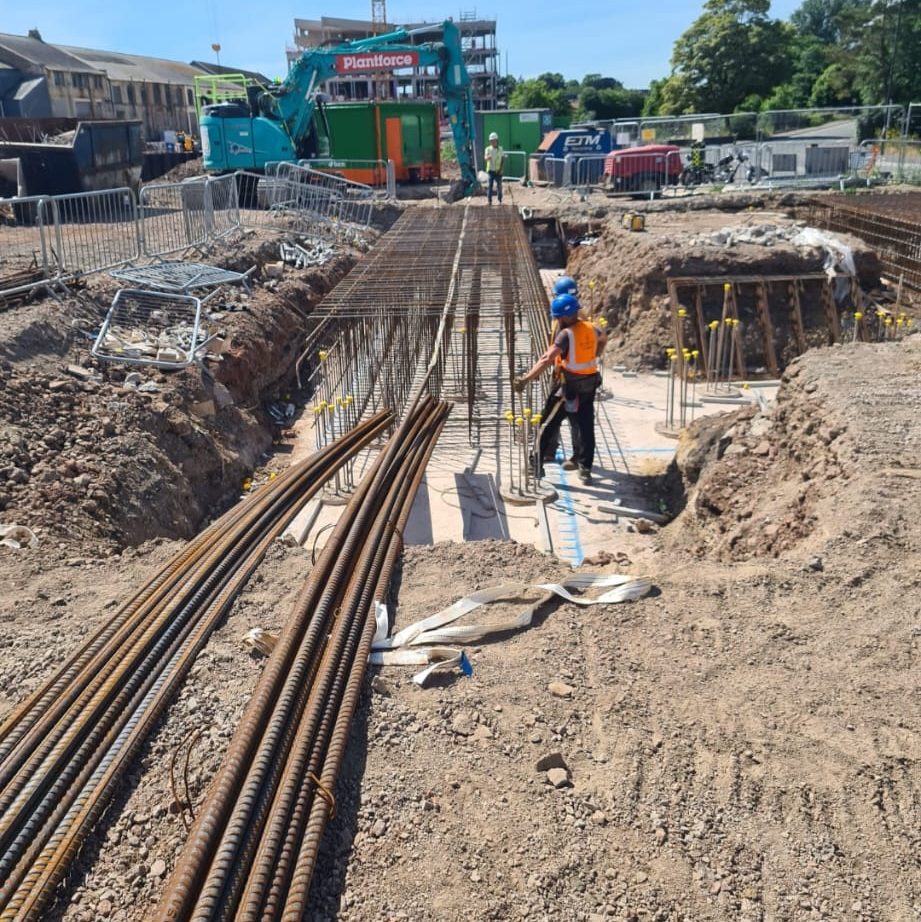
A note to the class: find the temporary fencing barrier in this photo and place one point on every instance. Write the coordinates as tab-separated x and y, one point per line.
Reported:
151	328
555	170
516	165
265	202
346	205
589	169
375	173
46	240
173	217
25	253
885	160
222	205
93	231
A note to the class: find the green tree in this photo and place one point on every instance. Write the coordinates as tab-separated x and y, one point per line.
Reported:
884	38
834	87
536	94
652	105
810	57
610	103
821	19
732	51
553	81
597	82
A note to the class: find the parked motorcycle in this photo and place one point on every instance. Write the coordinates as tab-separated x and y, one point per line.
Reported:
729	169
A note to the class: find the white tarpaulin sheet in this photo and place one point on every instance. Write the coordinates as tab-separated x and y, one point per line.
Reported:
421	642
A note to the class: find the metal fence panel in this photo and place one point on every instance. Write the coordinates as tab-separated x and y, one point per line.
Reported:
221	204
516	165
589	170
151	328
329	197
26	258
375	173
173	217
93	231
268	203
555	170
893	161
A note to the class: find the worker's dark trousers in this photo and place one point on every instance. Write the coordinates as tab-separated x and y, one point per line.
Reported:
581	420
494	178
552	417
583	431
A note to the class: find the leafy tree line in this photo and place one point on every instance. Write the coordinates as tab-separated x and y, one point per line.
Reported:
736	58
595	97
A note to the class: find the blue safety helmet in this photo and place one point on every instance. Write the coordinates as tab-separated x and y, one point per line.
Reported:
565	286
564	306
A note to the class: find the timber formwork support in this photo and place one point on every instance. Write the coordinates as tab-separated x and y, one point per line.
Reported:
776	308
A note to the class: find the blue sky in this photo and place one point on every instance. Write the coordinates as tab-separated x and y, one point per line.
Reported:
631	41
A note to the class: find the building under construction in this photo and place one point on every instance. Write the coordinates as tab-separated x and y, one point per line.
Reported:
481	57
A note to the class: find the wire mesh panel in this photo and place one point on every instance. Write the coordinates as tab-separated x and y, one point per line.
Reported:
888	223
377	173
269	203
150	328
222	206
892	161
174	217
327	196
25	257
180	276
589	169
94	230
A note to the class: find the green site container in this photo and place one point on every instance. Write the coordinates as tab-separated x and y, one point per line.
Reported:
405	132
518	130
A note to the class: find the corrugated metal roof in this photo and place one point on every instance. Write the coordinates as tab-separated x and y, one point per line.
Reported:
136	67
43	54
219	69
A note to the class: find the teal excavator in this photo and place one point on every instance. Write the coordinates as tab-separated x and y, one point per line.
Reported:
277	123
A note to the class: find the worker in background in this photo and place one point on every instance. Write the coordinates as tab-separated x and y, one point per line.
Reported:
554	406
575	352
494	159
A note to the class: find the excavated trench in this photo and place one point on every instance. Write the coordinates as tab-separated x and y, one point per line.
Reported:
119	454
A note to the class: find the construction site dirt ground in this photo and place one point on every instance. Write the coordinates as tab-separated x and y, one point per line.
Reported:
741	744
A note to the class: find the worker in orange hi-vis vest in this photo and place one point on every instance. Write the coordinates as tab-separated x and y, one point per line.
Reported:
575	351
552	412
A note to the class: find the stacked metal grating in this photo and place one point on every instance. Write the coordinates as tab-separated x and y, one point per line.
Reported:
888	223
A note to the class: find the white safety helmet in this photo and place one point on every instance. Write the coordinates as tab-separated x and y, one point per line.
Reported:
493	136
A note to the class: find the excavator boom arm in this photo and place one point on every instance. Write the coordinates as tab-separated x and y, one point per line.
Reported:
294	102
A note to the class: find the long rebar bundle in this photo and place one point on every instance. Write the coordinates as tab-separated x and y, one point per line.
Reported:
65	747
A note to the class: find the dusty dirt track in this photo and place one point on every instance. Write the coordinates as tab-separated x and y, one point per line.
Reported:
742	745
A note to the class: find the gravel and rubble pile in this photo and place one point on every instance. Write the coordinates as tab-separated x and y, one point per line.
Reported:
764	235
740	744
757	482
